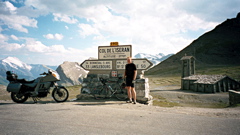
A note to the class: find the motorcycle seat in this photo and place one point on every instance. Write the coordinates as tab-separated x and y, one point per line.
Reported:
24	81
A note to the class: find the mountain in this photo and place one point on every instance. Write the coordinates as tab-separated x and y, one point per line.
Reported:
15	65
23	70
219	47
155	59
70	72
38	69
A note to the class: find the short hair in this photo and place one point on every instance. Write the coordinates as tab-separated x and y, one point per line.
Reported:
129	57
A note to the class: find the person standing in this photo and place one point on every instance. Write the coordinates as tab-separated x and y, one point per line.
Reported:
130	74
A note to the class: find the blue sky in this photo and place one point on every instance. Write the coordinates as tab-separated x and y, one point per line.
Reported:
53	31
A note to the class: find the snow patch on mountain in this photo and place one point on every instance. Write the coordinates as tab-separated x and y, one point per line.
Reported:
23	70
15	63
155	59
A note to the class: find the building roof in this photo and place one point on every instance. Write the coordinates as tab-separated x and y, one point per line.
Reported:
205	79
187	57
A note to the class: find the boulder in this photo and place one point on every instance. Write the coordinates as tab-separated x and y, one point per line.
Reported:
71	73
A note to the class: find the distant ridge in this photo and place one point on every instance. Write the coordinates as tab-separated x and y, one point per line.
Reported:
23	70
218	47
155	59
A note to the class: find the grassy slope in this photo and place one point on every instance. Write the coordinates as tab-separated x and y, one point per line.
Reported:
216	52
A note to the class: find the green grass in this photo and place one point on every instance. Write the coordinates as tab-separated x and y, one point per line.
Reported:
160	101
163	102
231	71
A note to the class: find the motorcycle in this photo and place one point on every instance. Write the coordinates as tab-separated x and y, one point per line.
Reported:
21	89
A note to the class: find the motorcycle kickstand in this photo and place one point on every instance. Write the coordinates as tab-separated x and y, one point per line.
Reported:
35	99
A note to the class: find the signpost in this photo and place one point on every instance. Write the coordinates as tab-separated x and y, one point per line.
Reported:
97	65
114	52
142	64
112	59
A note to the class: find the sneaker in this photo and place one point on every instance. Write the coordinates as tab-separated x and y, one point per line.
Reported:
129	101
134	102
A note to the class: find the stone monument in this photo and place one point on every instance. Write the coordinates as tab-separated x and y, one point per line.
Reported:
111	65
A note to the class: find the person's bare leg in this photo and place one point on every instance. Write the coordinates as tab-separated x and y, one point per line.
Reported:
129	93
134	95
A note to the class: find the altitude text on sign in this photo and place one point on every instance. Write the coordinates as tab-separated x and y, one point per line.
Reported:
114	52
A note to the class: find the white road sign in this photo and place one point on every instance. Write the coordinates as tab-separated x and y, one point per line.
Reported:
114	52
140	64
97	65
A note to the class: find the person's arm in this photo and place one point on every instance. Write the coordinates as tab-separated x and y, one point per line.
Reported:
135	75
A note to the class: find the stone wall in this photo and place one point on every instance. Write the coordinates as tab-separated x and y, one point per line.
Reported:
234	97
92	81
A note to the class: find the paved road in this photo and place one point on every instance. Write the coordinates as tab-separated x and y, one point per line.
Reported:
75	118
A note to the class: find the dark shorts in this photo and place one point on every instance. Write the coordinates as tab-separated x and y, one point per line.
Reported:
129	82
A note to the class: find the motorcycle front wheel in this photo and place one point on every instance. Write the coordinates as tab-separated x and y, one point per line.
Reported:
18	97
60	94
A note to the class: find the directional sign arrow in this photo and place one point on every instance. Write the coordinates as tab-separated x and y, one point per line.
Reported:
141	64
97	65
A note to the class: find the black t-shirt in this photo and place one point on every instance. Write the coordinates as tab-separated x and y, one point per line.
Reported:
129	70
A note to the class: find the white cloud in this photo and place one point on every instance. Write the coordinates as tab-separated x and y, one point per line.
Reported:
64	18
6	47
9	17
3	38
87	30
58	36
142	23
54	36
14	37
17	22
43	54
49	36
151	26
37	47
11	7
211	11
12	47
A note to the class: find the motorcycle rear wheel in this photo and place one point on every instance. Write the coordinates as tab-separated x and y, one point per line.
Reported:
60	95
18	97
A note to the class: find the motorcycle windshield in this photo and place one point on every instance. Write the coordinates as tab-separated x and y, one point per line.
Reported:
53	72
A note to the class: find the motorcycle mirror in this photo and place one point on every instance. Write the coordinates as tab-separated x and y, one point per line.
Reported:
43	73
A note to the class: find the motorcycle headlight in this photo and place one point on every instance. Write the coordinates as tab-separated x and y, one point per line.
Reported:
56	76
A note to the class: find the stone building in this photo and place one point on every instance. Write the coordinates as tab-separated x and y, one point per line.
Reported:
204	83
188	66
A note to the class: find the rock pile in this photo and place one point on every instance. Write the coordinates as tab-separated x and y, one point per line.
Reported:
92	82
